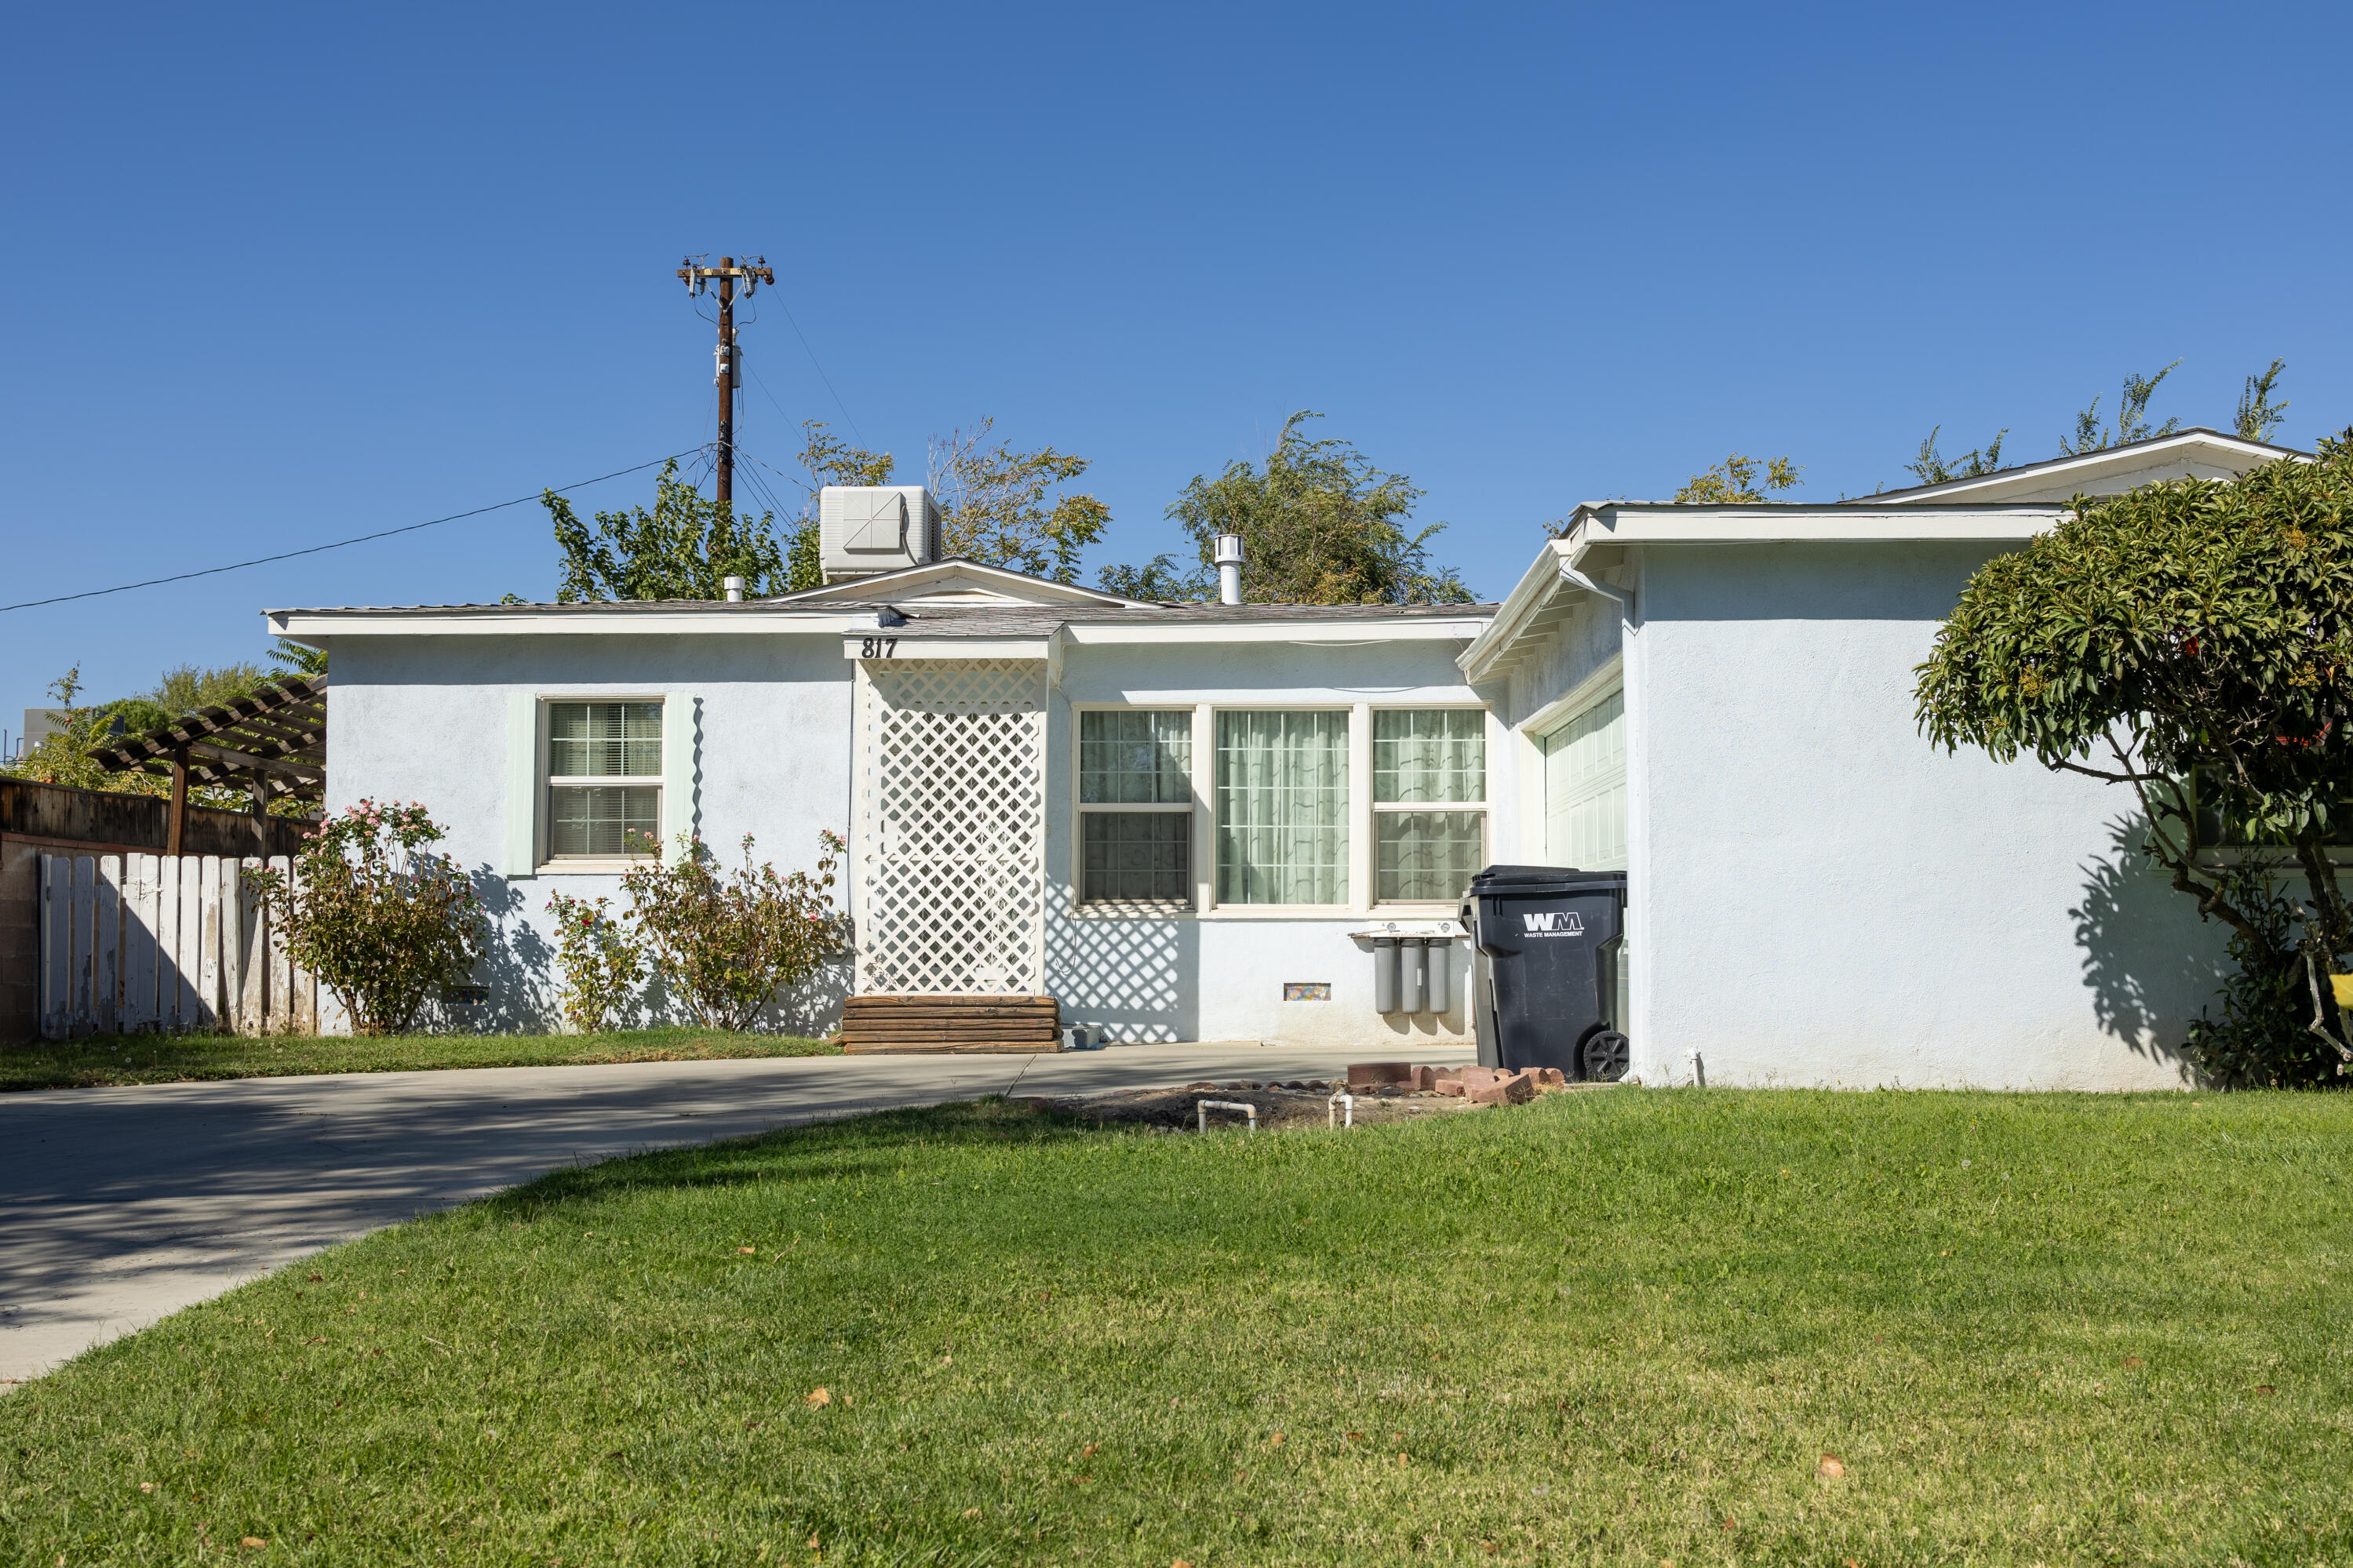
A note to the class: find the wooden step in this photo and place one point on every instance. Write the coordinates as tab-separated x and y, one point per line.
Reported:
933	1048
909	1007
950	1024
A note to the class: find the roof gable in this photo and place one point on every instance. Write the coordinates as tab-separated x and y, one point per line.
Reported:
956	581
2196	453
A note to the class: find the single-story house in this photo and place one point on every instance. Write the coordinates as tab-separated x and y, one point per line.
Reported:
1190	822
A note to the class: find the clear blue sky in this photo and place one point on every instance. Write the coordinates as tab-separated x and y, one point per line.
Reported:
280	275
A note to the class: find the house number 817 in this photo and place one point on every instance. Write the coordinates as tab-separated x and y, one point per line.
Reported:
877	648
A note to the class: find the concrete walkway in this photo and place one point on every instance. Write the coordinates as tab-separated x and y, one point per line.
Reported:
118	1206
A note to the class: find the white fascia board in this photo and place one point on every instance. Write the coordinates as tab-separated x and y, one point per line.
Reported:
1534	590
1281	632
308	626
944	648
1842	524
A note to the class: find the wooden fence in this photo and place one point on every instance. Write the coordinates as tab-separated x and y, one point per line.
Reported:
134	942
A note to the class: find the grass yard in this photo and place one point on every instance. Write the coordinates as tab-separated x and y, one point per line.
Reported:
1620	1328
172	1058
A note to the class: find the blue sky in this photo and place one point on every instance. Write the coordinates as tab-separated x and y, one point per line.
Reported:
276	276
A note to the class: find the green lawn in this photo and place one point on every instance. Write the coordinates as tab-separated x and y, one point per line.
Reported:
172	1059
1619	1328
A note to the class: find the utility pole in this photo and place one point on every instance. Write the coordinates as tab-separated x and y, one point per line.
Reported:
726	275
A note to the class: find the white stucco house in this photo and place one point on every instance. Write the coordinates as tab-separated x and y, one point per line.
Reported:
1186	822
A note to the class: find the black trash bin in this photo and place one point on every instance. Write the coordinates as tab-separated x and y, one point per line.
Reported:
1547	941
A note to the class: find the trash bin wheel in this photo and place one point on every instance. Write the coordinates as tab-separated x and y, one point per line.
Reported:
1604	1057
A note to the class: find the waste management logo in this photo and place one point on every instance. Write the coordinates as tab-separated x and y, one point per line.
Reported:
1555	923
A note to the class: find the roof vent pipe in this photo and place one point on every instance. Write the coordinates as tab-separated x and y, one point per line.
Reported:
734	586
1230	568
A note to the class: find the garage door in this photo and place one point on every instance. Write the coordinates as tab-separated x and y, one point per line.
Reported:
1584	788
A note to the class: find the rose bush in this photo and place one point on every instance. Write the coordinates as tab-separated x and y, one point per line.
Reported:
725	944
601	961
379	916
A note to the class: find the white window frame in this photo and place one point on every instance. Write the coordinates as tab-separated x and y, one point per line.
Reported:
1192	808
545	783
1484	805
1363	876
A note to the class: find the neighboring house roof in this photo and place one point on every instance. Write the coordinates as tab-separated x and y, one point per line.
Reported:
2006	508
2197	452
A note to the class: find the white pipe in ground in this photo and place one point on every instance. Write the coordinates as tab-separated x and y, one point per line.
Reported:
1201	1109
1338	1104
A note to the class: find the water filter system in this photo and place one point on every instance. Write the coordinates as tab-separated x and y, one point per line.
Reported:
1413	964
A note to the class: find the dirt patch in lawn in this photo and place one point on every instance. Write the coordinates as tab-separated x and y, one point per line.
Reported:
1294	1103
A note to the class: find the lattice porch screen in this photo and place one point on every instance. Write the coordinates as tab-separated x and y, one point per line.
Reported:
952	827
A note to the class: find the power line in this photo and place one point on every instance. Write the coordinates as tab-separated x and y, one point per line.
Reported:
340	543
838	402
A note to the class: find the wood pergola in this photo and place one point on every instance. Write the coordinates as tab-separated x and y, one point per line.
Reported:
272	744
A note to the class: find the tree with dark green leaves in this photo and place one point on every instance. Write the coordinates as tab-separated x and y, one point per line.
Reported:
684	548
1320	525
2192	641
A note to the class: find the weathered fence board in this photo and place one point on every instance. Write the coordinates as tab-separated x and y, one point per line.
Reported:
168	942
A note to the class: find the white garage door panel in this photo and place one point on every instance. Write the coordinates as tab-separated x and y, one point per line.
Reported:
1585	789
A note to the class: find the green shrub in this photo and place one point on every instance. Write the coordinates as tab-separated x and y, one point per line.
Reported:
601	961
382	919
727	944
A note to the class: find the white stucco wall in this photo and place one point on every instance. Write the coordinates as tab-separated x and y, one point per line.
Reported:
1826	900
1219	976
424	718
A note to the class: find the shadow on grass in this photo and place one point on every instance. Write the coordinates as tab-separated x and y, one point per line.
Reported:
817	1151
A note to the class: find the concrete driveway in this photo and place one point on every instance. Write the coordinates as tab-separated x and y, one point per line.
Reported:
118	1206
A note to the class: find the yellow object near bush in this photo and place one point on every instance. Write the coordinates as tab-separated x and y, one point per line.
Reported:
2343	985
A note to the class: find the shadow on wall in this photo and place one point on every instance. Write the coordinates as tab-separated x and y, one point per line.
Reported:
519	971
515	968
1138	980
813	1010
2150	962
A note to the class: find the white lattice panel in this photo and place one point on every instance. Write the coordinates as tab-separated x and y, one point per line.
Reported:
952	827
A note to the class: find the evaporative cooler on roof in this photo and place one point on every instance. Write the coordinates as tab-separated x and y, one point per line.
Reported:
866	528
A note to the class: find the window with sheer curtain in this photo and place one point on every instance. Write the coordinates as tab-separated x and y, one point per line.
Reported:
1429	793
604	780
1135	806
1282	781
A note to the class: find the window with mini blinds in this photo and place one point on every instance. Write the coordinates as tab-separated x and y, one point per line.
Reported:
1135	806
604	780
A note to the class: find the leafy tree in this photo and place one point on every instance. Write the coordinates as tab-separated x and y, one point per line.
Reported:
1934	469
1321	526
1732	481
996	506
292	658
2258	415
682	549
2132	422
188	687
2191	640
1159	578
